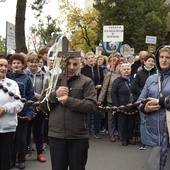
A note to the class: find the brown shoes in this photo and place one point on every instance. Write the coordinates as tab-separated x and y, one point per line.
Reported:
112	139
119	138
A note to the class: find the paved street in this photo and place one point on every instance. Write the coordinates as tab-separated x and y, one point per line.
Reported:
103	155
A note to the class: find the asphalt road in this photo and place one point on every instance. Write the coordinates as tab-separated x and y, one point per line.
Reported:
103	155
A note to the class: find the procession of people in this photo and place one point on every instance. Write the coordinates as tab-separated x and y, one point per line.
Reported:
68	114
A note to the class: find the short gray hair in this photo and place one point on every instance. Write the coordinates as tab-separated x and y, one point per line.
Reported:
90	53
124	64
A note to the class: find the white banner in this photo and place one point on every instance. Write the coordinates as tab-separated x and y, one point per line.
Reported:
113	33
150	40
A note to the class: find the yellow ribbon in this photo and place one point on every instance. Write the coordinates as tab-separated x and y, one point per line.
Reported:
56	65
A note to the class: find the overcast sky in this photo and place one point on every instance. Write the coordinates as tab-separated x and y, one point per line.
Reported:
8	10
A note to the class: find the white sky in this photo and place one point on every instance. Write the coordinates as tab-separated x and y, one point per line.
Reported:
8	10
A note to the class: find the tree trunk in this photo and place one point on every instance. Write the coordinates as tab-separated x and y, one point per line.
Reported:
20	26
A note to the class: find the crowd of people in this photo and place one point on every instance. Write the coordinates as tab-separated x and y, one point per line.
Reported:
74	116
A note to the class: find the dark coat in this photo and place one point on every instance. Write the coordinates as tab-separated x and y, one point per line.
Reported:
140	79
95	73
135	67
120	93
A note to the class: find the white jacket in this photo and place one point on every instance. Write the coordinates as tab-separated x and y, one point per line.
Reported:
8	120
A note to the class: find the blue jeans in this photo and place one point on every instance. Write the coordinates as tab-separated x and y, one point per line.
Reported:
96	122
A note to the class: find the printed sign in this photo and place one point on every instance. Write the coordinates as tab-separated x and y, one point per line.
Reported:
150	40
113	33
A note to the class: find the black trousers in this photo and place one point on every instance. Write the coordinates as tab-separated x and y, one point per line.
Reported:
127	126
38	131
70	153
6	140
20	142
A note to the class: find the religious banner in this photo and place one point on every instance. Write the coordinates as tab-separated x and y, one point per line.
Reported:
151	48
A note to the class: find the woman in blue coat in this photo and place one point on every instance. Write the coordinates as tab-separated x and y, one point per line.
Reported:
154	127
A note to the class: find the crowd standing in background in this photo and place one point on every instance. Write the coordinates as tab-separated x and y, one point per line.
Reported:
118	80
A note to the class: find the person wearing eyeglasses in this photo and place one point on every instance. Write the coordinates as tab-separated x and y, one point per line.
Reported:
154	131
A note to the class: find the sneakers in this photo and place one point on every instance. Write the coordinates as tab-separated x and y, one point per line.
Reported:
116	133
103	130
90	135
41	158
142	147
12	165
97	136
124	143
44	146
131	142
21	165
29	153
33	147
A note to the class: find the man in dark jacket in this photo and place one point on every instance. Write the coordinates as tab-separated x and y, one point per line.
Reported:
94	72
137	65
68	121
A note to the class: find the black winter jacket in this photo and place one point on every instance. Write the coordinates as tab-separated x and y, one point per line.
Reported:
95	73
120	93
140	79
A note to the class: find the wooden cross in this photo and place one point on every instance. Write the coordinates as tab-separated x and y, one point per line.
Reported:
65	54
